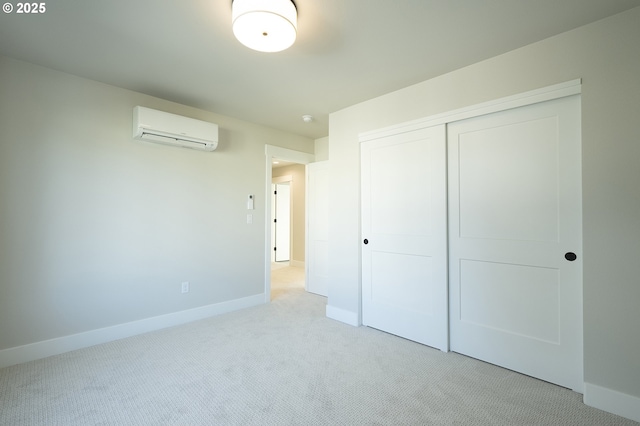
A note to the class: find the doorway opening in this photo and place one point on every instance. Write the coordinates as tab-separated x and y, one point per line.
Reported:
287	228
285	267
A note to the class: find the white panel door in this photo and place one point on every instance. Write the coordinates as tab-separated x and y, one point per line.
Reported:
317	227
282	221
404	231
515	240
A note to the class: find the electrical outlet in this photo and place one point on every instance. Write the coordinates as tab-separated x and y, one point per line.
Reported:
185	287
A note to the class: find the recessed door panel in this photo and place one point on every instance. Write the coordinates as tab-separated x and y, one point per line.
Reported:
527	297
400	190
508	186
390	288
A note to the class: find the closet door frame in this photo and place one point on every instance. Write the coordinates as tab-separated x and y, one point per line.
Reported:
570	88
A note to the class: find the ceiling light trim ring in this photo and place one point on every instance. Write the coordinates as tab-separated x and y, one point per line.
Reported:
266	26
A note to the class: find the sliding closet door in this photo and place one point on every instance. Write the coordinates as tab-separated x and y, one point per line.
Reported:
404	235
515	240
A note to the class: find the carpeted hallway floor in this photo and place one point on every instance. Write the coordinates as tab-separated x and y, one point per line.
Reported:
283	363
285	278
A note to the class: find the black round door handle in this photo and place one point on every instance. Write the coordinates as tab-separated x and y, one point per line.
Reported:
570	256
366	241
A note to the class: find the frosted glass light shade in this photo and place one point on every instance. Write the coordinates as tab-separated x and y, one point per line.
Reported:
265	25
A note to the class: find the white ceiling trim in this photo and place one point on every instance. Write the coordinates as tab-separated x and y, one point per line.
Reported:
556	91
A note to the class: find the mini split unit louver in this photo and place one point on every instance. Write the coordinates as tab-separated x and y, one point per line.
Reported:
165	128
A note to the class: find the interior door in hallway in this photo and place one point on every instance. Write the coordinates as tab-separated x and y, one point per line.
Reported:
404	231
281	227
515	240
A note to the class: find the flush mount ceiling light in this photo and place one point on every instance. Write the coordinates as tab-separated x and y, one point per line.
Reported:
265	25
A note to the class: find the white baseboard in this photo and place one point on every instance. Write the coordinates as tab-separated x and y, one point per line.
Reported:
612	401
341	315
46	348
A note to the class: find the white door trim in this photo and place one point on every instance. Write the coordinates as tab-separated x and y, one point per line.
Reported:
281	179
548	93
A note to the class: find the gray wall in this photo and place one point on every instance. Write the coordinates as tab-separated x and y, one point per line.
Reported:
606	55
98	229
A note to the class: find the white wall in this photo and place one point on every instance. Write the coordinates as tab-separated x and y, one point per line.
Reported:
99	230
607	57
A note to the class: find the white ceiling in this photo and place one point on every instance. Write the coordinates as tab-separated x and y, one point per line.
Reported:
347	51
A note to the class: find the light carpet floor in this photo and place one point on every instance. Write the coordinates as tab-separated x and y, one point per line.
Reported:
283	363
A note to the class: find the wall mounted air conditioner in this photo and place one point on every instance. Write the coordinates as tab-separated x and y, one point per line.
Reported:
170	129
